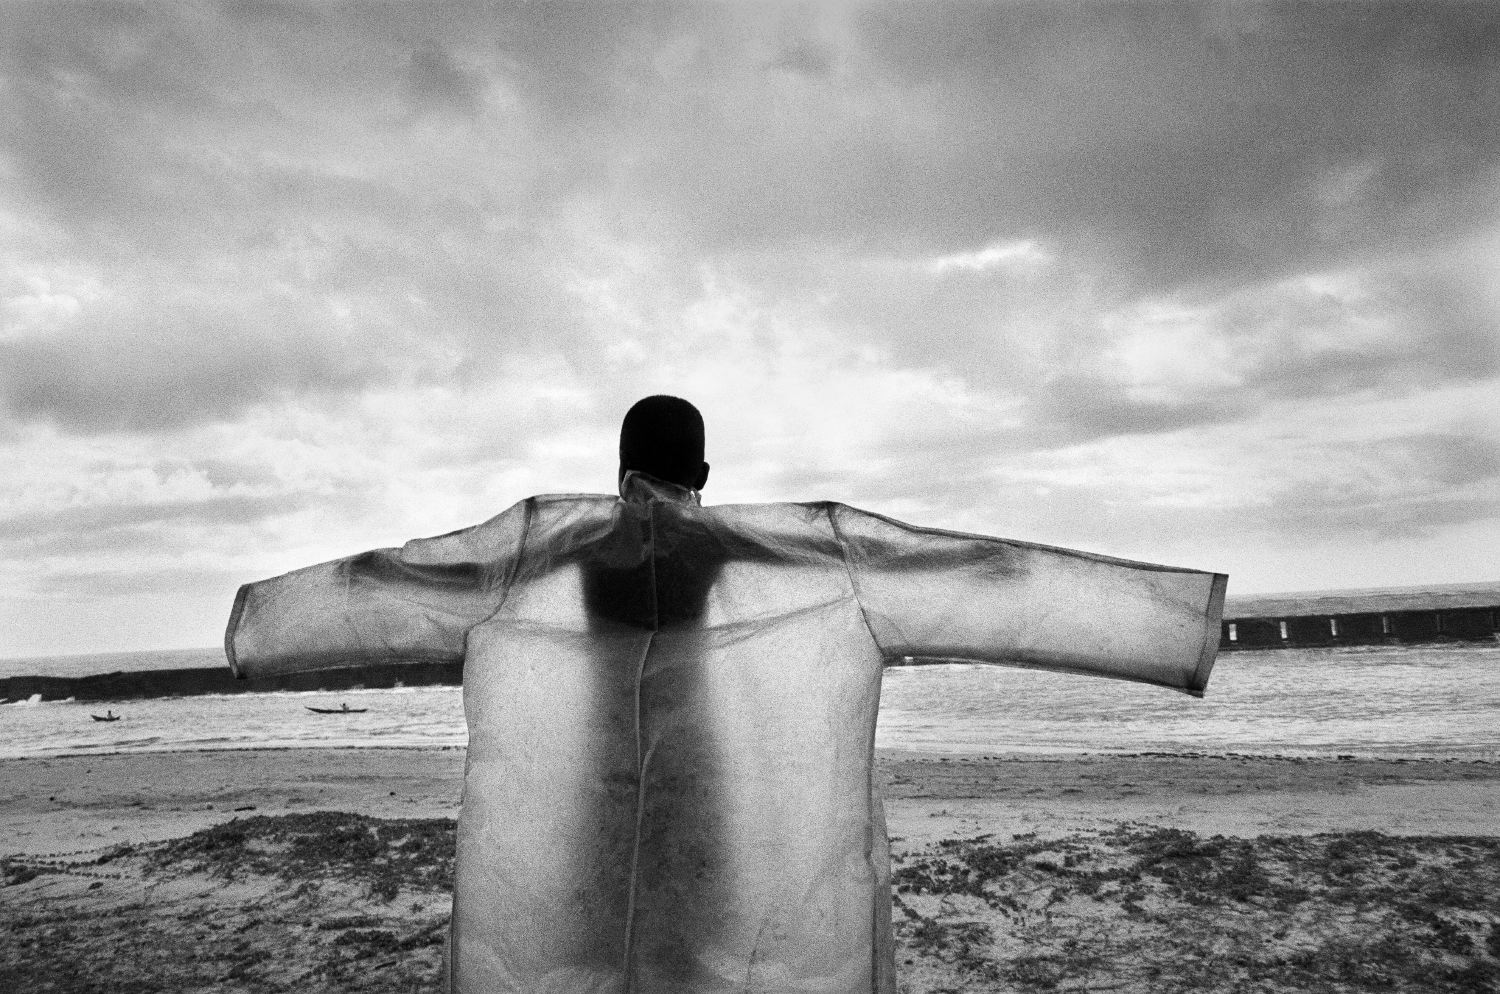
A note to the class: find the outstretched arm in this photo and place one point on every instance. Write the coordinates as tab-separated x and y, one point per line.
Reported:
416	603
945	595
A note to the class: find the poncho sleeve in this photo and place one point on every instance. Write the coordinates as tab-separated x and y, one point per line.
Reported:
412	604
940	595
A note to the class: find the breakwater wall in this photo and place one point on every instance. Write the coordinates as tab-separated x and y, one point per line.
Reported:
137	684
1395	616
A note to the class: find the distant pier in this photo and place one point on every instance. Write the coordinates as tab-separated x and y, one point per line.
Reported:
1466	612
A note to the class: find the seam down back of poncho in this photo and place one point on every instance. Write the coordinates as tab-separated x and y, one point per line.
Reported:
671	714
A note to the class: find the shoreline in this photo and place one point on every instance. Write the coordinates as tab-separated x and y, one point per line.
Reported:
73	803
914	754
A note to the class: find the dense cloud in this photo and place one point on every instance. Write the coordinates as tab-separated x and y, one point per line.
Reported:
1175	145
1139	277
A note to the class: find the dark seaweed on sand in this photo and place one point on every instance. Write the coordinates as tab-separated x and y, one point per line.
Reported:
385	854
327	902
306	903
1169	910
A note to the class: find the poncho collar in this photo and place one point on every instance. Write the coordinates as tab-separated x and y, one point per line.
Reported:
639	488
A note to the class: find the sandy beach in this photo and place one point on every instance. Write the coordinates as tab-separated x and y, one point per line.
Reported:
222	871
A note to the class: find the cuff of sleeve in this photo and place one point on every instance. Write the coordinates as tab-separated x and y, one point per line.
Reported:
232	628
1212	621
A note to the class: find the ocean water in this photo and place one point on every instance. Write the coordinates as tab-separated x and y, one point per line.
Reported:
1400	701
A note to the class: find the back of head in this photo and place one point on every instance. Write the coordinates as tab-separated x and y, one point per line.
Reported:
663	436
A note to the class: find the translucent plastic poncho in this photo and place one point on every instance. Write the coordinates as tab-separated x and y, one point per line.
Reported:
671	713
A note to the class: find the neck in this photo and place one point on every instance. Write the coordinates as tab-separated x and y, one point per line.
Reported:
639	486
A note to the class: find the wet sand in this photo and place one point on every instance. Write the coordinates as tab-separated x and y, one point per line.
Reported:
1212	795
1147	872
82	802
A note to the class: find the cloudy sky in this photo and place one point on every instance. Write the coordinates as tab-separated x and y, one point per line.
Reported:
1207	285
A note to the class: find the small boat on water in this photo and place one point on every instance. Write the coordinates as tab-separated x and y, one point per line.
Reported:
341	709
106	716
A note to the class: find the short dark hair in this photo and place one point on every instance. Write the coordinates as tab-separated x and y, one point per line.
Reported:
663	436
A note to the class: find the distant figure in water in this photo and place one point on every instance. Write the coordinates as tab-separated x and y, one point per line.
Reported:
671	708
